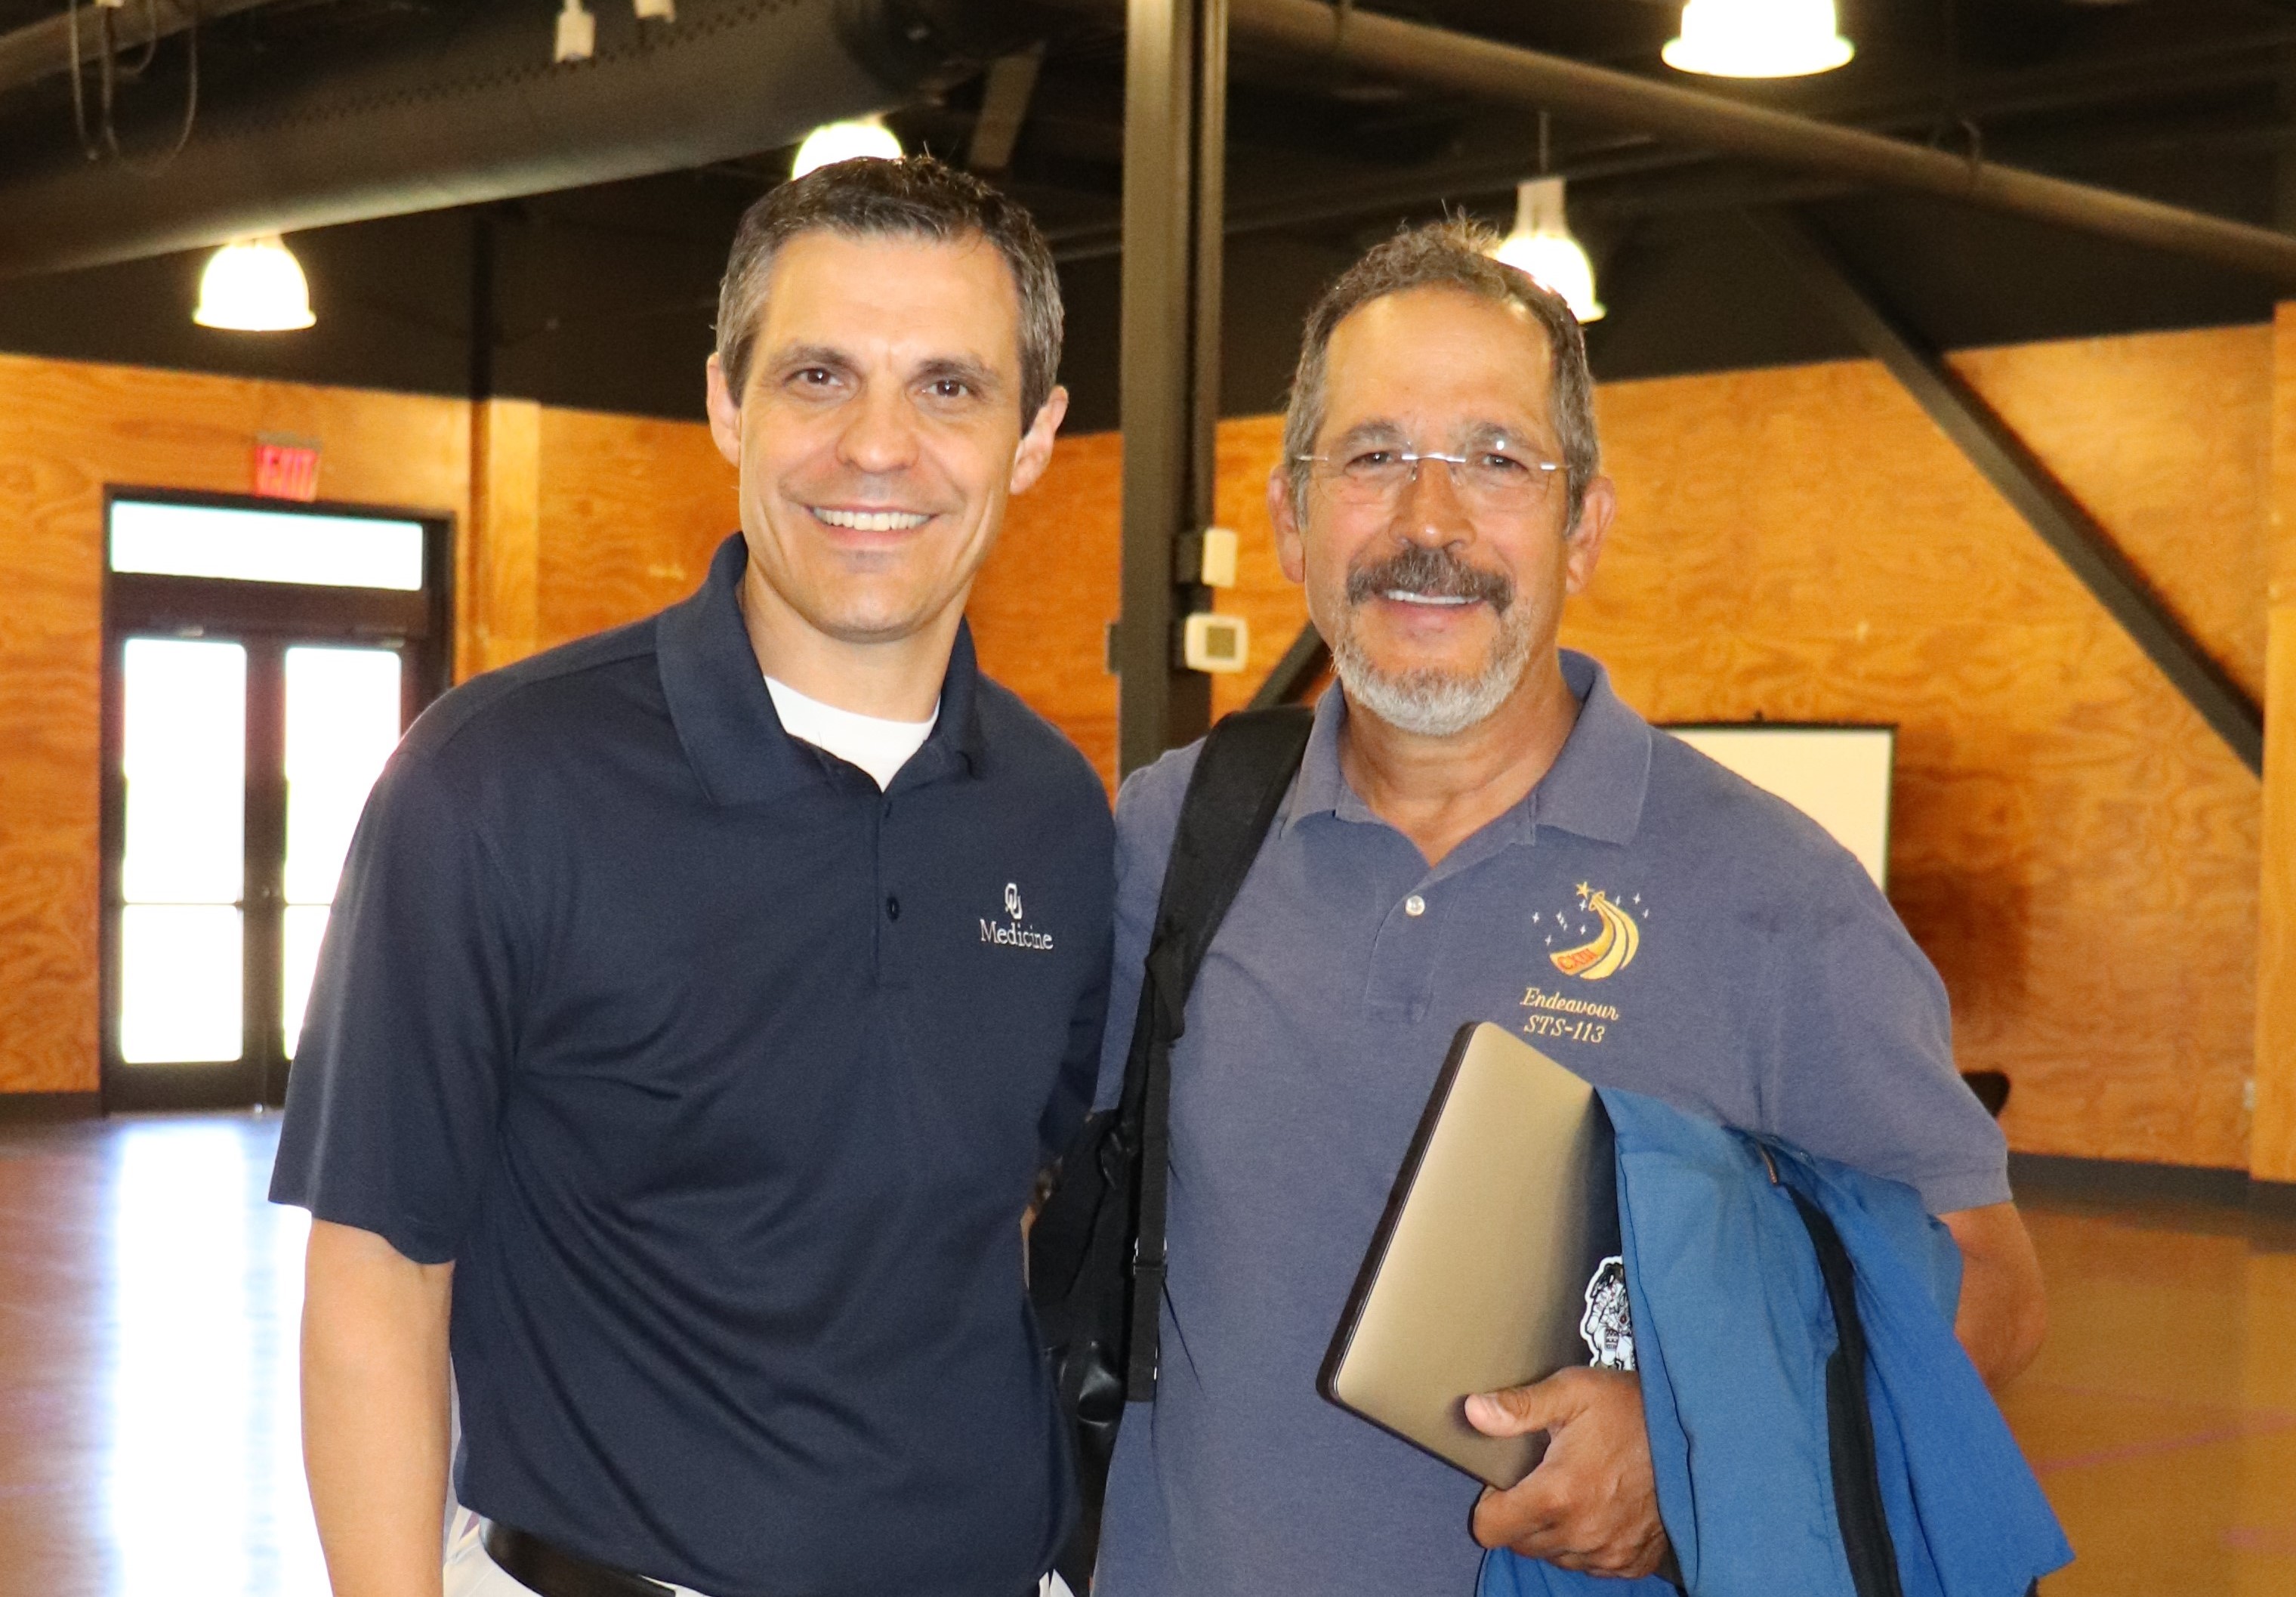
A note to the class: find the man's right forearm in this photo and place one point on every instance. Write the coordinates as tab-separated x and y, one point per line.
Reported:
375	1411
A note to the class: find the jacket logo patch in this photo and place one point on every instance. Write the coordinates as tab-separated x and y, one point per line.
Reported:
1608	1326
1617	936
1012	931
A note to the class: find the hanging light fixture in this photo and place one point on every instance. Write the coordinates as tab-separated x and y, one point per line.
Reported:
1541	247
1758	39
255	285
868	139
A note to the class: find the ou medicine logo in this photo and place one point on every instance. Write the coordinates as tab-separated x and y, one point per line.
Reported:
1611	950
997	934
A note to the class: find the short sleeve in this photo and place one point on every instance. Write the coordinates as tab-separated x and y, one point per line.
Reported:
398	1080
1859	1064
1147	818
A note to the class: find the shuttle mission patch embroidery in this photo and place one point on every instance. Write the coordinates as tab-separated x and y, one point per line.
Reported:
1617	935
1608	1325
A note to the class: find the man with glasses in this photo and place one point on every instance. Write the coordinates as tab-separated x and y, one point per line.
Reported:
1479	830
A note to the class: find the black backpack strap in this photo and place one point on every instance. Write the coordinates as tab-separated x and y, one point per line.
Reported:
1240	776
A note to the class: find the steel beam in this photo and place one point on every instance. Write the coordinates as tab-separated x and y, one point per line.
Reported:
2019	476
1175	148
1436	57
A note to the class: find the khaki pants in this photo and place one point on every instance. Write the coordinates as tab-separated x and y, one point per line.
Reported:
470	1573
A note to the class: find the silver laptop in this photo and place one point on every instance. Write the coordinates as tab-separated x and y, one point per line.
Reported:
1496	1261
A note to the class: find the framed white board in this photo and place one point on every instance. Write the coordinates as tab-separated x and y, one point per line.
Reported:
1837	775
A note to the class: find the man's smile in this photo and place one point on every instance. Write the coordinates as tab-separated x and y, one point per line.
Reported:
1404	595
870	520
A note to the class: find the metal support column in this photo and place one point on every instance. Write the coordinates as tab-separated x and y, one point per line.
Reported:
2018	476
1175	139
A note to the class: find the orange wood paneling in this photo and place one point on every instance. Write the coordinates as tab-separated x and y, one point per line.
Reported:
1044	601
630	511
72	429
2166	439
2272	1138
2074	849
1262	595
498	620
2072	846
1042	604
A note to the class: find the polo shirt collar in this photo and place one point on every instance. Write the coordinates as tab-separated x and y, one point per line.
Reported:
725	718
1595	789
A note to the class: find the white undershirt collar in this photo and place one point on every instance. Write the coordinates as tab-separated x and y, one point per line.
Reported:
877	745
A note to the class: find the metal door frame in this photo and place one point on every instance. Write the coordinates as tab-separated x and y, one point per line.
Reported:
267	619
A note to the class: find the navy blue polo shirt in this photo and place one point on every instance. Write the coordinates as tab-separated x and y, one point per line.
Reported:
1643	917
722	1077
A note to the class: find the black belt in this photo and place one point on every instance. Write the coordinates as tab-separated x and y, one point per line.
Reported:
555	1572
551	1571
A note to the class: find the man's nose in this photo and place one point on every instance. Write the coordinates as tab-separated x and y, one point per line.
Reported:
881	432
1431	513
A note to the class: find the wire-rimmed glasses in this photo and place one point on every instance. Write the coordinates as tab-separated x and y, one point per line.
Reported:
1374	476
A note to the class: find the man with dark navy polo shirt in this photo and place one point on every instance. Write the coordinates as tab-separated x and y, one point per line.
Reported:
702	998
1479	830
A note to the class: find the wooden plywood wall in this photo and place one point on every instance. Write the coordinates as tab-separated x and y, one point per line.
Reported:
2076	852
631	510
72	429
2072	846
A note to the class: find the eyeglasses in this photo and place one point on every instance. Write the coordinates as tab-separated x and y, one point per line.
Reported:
1488	479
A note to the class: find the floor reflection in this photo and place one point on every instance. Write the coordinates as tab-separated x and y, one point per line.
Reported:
149	1403
2161	1415
205	1490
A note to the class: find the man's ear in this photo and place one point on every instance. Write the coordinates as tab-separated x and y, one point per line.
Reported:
1035	450
1586	541
725	414
1291	549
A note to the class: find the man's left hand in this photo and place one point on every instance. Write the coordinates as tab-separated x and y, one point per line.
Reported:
1592	1504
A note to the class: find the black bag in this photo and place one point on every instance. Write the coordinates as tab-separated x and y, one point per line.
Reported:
1096	1252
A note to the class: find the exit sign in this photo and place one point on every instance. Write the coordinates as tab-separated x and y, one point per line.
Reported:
287	468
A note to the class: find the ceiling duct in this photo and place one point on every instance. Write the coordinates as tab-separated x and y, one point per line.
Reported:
476	112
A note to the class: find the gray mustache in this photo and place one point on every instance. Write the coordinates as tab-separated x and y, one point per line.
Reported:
1418	569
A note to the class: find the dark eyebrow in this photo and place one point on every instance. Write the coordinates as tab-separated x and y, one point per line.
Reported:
1485	435
948	368
794	357
1376	432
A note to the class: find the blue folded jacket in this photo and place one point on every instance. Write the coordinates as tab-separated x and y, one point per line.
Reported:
1723	1236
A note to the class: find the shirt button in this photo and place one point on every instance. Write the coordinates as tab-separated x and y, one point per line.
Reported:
892	909
1414	906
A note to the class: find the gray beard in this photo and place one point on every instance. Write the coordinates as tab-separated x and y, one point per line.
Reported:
1434	704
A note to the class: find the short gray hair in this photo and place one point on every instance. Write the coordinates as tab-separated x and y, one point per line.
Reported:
915	197
1448	254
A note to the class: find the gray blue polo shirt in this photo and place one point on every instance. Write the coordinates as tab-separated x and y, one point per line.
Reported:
1643	917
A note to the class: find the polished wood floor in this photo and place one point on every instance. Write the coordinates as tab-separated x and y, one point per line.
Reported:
148	1418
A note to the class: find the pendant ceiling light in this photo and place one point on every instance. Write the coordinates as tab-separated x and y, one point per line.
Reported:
1542	248
1758	39
255	285
868	139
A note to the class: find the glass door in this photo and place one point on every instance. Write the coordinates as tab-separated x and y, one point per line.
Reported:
182	876
342	721
250	703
